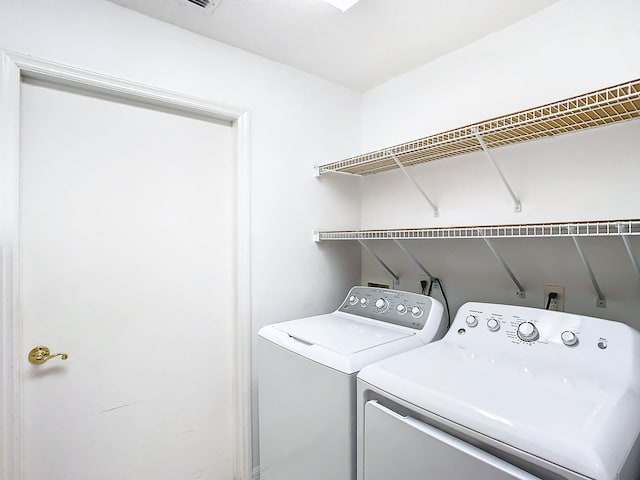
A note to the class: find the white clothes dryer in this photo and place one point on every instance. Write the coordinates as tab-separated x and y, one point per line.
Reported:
307	378
509	393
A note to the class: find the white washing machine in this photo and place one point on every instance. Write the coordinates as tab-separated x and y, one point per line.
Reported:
307	378
509	393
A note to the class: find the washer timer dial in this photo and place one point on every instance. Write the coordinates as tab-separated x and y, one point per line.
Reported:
382	305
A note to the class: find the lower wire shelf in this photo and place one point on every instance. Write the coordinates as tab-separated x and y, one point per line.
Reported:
573	230
568	229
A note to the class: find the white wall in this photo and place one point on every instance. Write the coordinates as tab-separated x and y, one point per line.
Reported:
297	121
569	48
572	47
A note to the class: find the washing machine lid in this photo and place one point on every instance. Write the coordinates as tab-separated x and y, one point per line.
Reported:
341	333
584	423
341	341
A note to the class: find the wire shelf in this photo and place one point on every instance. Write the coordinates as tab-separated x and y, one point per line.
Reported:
602	107
573	229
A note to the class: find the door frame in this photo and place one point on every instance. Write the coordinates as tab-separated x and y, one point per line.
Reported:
13	68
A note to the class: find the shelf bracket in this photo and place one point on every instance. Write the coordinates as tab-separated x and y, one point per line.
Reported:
436	212
520	293
364	245
632	257
415	260
517	206
601	302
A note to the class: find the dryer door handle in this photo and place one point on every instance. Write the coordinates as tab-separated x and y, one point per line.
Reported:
447	457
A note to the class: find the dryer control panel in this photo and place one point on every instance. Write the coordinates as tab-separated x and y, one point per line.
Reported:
392	306
526	334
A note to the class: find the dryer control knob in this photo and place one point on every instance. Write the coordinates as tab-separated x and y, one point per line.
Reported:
382	304
493	324
401	309
353	300
528	332
472	320
364	302
569	338
416	311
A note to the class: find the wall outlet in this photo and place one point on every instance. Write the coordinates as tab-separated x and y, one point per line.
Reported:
424	278
379	282
557	303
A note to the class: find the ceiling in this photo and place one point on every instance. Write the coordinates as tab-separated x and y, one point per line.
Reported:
369	44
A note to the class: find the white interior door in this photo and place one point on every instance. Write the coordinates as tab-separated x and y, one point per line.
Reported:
126	218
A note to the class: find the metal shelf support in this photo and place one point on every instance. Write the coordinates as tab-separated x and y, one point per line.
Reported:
517	207
415	260
520	293
632	257
436	212
384	265
601	302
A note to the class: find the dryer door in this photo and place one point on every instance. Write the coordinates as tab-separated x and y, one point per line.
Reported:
403	447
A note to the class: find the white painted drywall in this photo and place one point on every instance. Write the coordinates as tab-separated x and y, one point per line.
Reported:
572	47
297	121
569	48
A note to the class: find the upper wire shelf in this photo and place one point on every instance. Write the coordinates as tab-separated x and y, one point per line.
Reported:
601	107
573	229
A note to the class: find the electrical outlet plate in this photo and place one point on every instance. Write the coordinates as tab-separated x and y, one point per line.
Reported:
379	282
424	278
558	303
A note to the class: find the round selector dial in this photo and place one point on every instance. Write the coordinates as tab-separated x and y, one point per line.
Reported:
493	324
569	338
382	305
472	320
416	311
364	302
353	300
401	309
528	332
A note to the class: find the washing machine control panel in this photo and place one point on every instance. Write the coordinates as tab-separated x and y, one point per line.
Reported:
391	306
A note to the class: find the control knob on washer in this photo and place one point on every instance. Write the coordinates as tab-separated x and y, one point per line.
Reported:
364	302
353	300
382	304
569	338
527	331
471	320
416	311
401	309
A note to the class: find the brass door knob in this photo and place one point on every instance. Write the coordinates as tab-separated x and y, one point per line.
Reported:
40	354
